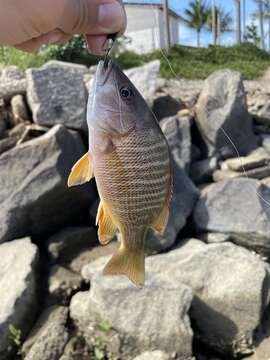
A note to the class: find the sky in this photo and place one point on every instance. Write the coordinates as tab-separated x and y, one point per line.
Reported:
188	36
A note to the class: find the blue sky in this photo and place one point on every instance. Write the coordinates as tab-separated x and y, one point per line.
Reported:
188	36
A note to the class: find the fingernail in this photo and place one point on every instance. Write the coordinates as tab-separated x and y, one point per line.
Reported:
110	16
54	38
97	44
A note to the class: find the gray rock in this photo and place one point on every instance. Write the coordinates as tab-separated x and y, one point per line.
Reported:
18	296
17	131
33	192
259	107
184	198
146	79
7	144
65	245
259	173
153	355
202	171
255	159
231	287
222	116
238	207
62	283
153	317
76	349
56	95
19	109
165	105
12	82
216	237
49	336
177	132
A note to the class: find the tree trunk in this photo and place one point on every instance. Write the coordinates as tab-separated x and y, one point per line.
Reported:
198	38
269	26
219	29
260	5
166	20
214	31
238	10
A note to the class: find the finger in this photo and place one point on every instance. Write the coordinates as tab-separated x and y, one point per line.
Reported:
97	44
93	17
56	37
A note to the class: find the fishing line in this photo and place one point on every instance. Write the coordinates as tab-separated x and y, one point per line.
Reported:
222	129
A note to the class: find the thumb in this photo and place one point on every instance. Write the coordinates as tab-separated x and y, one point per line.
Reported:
93	17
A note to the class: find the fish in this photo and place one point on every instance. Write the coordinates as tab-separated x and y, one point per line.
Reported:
130	159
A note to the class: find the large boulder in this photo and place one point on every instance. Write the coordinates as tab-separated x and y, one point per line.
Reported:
153	355
18	295
238	207
231	292
177	131
222	116
56	94
12	82
155	317
34	195
49	336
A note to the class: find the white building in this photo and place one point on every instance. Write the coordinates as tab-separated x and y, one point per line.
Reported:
145	27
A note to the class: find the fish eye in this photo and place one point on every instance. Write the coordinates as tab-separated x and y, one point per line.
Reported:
126	93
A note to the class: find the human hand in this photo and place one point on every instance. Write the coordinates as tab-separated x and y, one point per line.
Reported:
28	24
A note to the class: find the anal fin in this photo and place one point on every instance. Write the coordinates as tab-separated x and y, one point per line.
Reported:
106	227
81	172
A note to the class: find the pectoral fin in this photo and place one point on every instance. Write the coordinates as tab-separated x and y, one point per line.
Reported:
81	172
106	227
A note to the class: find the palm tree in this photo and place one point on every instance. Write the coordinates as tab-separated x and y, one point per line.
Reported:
223	20
238	20
196	16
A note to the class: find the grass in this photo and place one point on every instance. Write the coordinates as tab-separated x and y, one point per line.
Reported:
187	62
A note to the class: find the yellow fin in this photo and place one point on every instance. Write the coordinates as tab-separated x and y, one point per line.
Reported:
81	172
129	261
106	227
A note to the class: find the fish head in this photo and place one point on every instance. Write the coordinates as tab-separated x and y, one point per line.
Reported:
115	106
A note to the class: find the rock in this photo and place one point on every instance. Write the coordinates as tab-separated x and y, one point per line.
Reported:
7	144
211	238
266	142
266	181
49	336
222	116
62	284
88	256
162	310
238	207
259	107
184	91
12	82
153	355
17	131
19	109
177	132
33	192
146	79
184	198
31	132
164	105
18	296
67	244
56	95
259	173
256	159
202	171
76	349
231	287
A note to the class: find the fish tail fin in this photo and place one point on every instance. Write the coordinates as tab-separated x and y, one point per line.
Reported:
129	260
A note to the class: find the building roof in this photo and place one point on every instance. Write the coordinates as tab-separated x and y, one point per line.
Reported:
154	4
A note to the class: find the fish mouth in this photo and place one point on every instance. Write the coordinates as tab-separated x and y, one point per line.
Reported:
103	72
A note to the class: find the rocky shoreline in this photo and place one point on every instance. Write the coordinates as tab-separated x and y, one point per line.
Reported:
207	289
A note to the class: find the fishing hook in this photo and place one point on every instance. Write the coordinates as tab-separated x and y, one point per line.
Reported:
112	39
